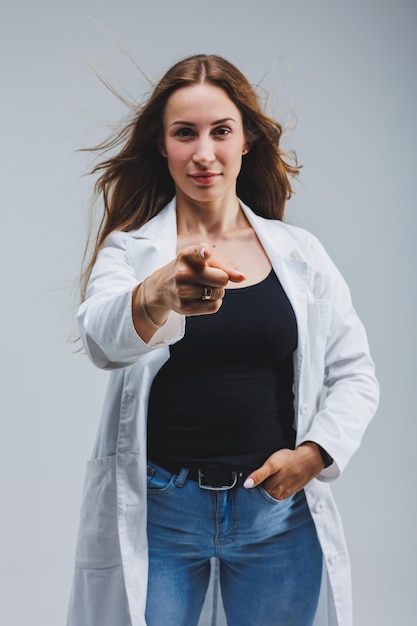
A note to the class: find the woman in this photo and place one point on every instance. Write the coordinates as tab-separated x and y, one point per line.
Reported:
241	381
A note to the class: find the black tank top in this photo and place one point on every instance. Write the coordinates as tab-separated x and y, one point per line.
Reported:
225	396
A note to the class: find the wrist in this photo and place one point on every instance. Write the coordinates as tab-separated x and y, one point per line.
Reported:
156	319
325	456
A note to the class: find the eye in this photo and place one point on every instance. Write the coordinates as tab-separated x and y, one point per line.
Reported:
184	133
222	131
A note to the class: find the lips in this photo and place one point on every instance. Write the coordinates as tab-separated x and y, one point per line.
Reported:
205	178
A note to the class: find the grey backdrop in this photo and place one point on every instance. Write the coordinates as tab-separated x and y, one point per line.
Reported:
351	80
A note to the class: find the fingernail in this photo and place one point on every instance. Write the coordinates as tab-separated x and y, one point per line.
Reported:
203	252
249	483
234	269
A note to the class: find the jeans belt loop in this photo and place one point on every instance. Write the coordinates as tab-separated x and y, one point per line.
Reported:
182	477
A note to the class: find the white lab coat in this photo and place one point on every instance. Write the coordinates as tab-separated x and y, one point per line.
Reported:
110	580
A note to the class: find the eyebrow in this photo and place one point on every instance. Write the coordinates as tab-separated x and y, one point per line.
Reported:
216	123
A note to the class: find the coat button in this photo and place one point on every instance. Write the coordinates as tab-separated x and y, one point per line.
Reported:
320	506
331	559
303	409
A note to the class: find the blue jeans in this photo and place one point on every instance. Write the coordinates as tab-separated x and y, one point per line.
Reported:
269	555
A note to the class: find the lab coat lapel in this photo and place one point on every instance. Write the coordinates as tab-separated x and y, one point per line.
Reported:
291	270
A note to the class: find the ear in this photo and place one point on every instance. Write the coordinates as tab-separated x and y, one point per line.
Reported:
162	150
246	148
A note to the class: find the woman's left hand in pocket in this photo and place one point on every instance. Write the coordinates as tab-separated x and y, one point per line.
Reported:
287	471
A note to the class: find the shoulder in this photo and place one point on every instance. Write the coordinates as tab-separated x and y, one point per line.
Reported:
287	239
160	227
307	242
297	234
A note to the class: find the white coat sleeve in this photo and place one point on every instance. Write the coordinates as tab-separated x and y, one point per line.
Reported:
351	391
105	317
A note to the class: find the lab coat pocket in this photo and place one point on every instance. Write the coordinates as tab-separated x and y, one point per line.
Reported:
98	541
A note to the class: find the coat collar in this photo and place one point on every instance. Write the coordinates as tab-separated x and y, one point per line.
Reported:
161	227
275	235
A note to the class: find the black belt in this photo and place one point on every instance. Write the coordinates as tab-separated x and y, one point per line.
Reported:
213	478
217	479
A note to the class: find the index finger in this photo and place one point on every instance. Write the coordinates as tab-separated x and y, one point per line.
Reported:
203	256
197	255
258	476
217	261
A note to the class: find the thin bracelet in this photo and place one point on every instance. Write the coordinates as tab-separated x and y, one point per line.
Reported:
145	309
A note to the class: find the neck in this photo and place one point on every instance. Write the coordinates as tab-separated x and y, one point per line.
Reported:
212	218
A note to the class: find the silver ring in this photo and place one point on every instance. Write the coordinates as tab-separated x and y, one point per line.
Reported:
207	291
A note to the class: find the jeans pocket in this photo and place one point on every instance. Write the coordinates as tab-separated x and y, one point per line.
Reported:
265	494
159	480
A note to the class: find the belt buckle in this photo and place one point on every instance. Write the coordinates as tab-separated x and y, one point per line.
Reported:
215	487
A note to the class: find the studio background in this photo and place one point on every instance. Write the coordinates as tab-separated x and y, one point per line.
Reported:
349	85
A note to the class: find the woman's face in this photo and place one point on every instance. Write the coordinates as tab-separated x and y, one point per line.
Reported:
204	142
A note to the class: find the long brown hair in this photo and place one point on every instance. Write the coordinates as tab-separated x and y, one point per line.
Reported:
135	184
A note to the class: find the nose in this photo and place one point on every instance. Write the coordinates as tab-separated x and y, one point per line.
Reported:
204	151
